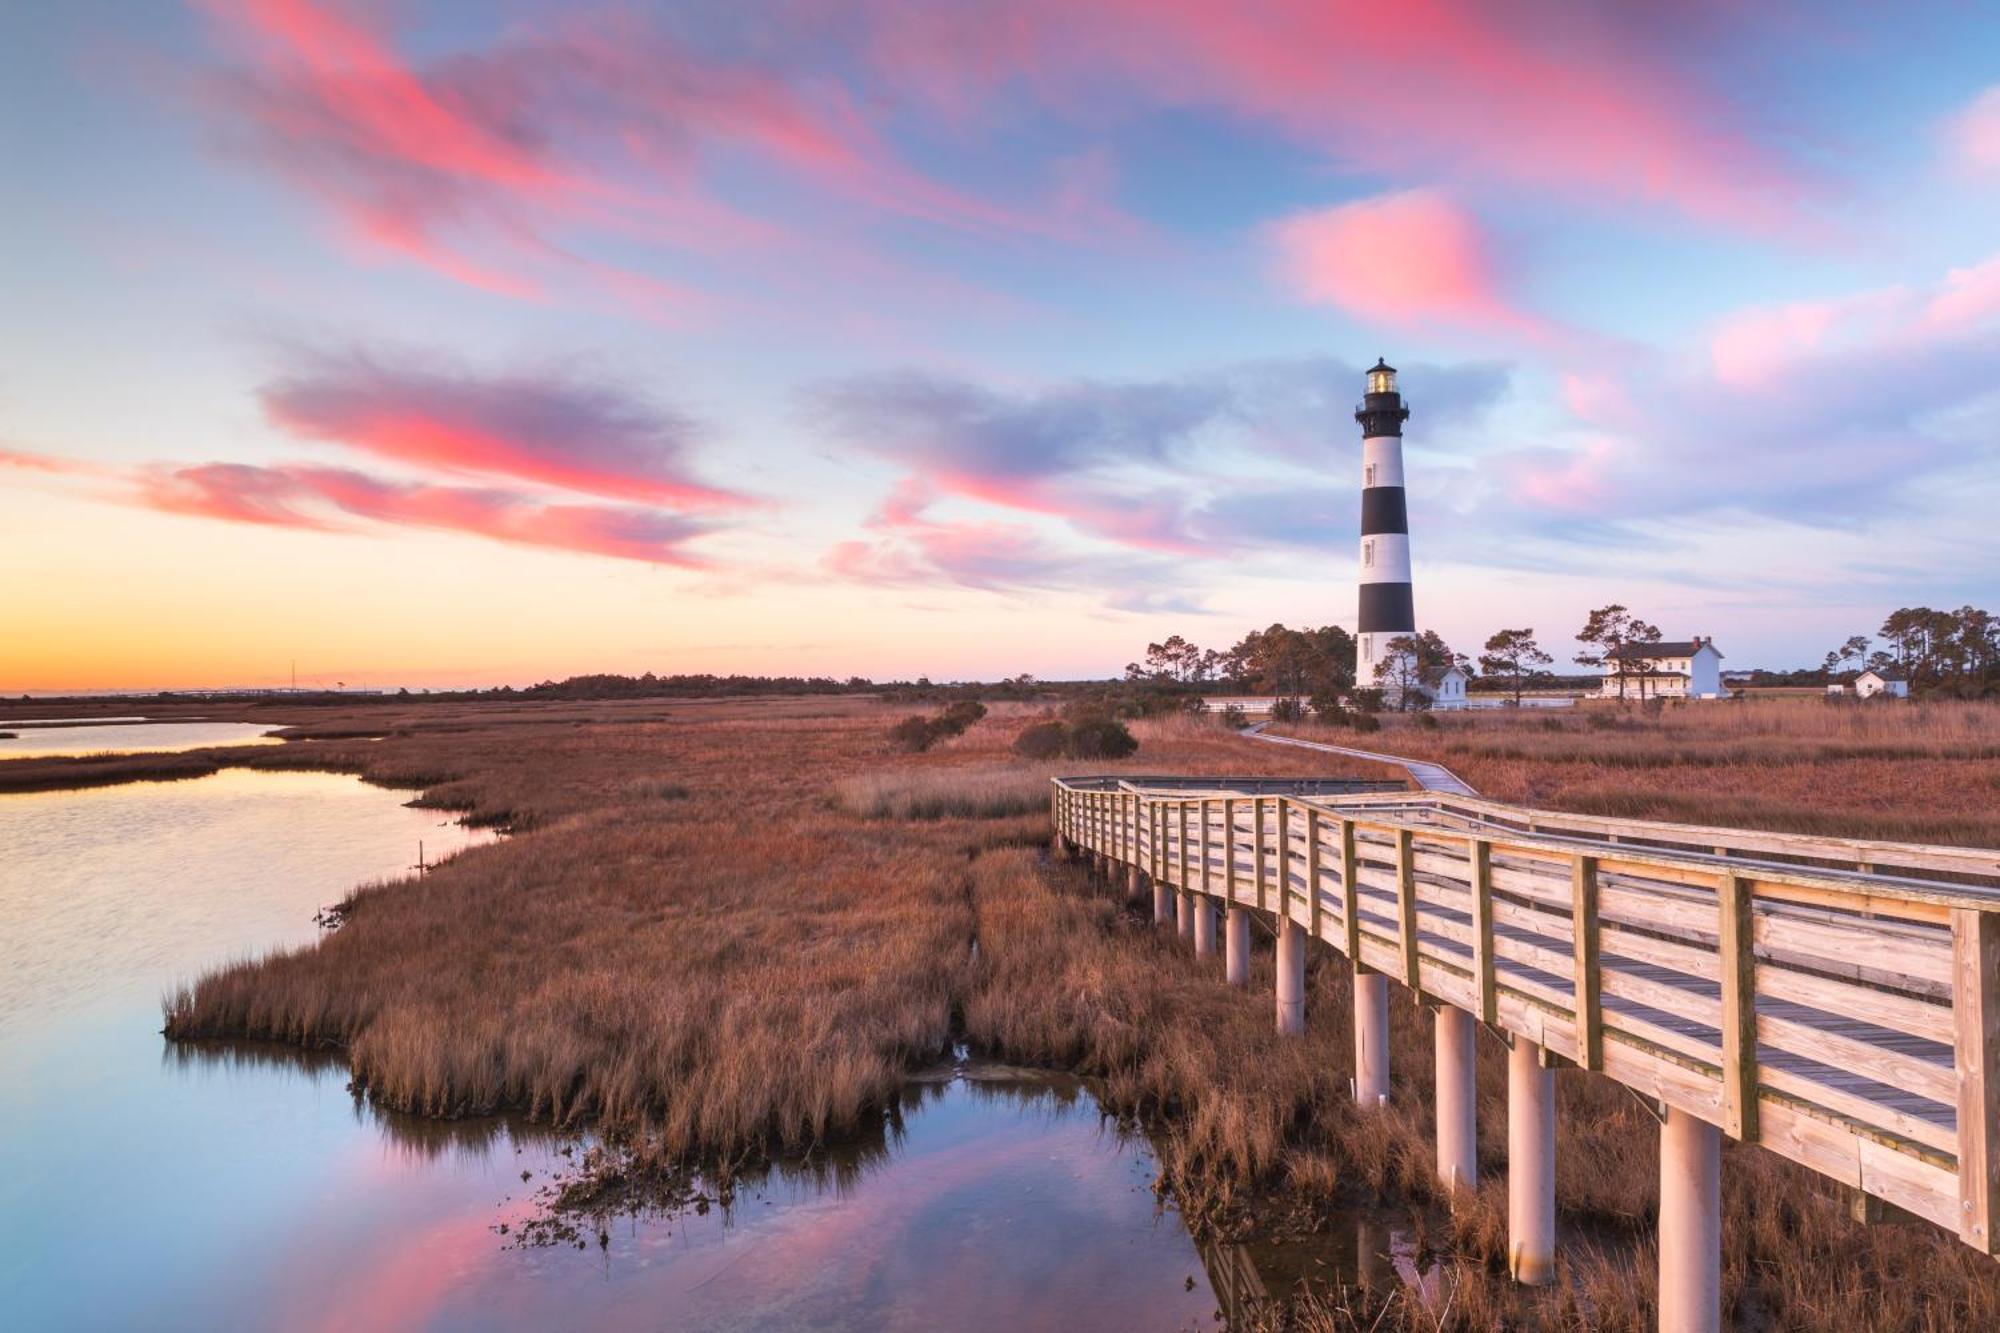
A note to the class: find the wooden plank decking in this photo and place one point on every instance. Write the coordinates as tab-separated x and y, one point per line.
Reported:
1834	1000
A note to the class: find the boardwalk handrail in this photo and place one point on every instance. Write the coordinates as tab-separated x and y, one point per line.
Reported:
1782	987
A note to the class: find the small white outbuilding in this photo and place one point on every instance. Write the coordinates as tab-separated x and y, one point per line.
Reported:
1446	689
1887	683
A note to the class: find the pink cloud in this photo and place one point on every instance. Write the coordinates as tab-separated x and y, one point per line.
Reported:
1973	135
45	463
325	499
1760	346
1409	258
474	165
551	429
1600	108
1575	481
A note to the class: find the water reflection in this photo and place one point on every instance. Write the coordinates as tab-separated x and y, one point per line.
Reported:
246	1185
24	740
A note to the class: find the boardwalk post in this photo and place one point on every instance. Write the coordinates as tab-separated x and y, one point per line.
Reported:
1531	1166
1371	1037
1406	908
1589	980
1236	962
1481	870
1291	978
1739	1008
1457	1099
1204	927
1184	903
1975	1008
1690	1224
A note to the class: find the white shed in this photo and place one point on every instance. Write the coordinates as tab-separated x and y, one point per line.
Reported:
1888	683
1446	688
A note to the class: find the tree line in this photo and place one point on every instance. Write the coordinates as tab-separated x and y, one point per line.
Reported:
1944	653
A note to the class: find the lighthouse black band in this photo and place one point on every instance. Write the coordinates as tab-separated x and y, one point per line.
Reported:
1383	509
1386	608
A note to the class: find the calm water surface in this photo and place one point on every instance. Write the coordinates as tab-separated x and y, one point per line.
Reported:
150	1186
128	736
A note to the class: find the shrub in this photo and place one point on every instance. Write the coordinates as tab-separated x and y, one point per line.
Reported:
961	715
915	734
1042	740
1364	722
1233	716
1100	738
1427	721
1287	710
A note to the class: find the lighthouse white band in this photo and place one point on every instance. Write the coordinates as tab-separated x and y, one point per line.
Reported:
1382	460
1385	558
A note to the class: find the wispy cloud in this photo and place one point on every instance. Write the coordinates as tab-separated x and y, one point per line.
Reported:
1612	108
1136	463
500	165
551	428
328	499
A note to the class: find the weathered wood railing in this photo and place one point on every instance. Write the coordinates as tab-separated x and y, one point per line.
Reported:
1836	1001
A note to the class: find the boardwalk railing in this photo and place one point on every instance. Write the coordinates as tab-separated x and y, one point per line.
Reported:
1836	1001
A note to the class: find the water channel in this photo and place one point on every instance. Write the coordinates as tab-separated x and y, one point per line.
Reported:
148	1185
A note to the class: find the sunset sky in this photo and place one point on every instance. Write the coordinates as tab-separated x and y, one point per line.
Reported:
474	343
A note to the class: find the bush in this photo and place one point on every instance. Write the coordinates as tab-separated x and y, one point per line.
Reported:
1287	710
915	734
961	715
1364	722
1042	740
1427	721
1233	716
1100	738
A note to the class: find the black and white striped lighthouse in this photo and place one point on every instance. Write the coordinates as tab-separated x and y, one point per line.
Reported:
1387	611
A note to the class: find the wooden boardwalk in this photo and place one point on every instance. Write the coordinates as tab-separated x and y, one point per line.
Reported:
1836	1001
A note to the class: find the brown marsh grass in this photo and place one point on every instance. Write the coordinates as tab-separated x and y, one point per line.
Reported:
1912	772
708	940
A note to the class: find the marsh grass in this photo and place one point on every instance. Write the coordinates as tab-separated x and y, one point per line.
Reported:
1912	772
754	968
986	792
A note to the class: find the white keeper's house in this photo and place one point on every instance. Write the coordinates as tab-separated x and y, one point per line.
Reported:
1689	669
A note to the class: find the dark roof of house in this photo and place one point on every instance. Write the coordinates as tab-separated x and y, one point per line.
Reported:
1653	652
1884	673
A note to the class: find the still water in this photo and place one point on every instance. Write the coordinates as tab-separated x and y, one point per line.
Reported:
28	740
149	1186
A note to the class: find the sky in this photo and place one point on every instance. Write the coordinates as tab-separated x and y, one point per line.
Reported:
427	344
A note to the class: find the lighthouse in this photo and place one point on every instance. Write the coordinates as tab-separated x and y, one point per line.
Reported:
1386	608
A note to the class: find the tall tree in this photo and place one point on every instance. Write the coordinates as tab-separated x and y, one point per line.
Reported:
1513	656
1604	636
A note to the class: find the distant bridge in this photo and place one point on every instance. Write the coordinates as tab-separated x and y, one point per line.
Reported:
1836	1001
